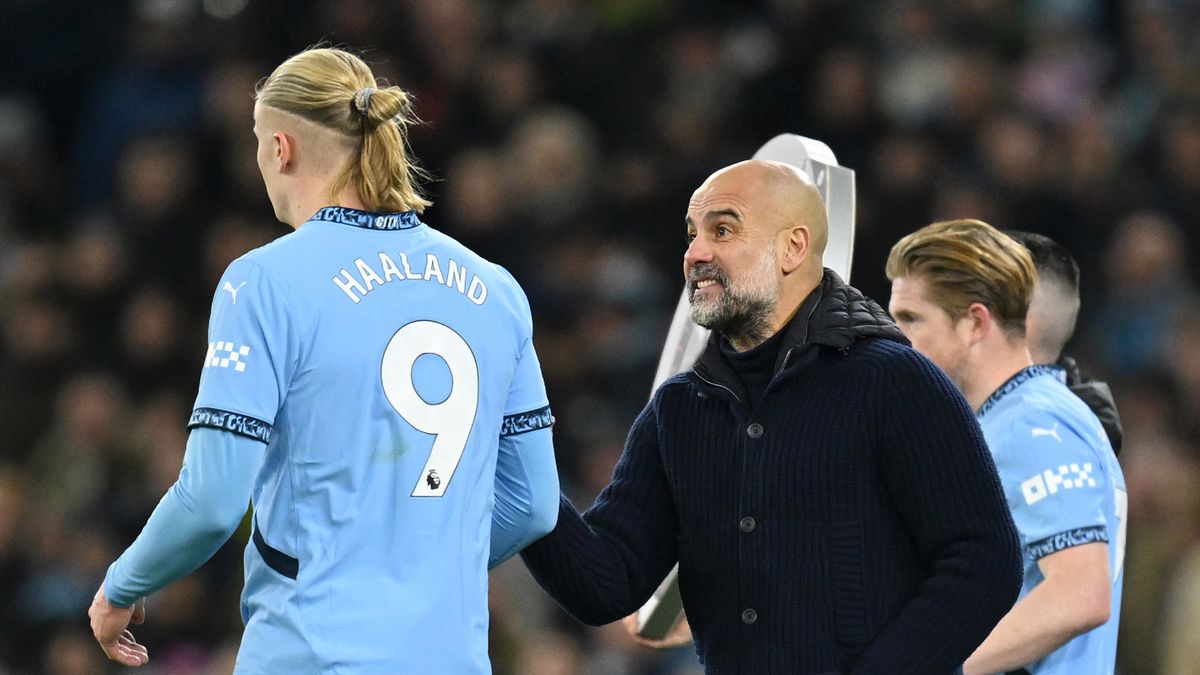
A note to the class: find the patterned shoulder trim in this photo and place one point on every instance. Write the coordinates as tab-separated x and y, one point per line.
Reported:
525	422
242	425
1065	540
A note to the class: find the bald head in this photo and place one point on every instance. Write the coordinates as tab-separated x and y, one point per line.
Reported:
757	232
785	194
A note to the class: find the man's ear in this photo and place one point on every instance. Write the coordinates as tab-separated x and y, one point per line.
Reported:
796	246
981	321
285	149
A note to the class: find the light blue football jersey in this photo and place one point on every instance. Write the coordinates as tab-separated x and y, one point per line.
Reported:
1065	488
380	361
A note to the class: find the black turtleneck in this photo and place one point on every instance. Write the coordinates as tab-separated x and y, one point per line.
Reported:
754	367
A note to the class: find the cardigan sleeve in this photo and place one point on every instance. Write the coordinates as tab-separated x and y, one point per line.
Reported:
604	564
941	476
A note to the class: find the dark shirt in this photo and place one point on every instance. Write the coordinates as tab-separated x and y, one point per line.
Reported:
754	367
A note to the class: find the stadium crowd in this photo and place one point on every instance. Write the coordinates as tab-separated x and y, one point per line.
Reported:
566	137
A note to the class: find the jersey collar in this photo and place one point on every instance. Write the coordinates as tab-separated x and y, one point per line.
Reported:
367	220
1015	381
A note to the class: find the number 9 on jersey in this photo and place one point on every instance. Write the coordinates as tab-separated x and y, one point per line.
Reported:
450	421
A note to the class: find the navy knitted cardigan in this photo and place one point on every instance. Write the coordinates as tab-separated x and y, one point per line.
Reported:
852	522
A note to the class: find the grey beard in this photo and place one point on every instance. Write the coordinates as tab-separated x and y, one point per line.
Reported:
742	320
742	315
751	326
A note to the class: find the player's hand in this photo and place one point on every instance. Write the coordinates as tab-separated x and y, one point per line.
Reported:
679	635
109	625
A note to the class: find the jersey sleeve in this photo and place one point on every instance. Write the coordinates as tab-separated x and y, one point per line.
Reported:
526	408
250	355
526	493
194	518
526	488
1056	485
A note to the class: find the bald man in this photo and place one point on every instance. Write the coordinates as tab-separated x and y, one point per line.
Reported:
825	489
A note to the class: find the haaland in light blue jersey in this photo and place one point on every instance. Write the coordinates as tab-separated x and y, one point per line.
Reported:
371	386
960	292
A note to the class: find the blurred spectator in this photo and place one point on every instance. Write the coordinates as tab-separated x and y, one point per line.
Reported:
70	465
1180	639
228	120
28	163
554	163
1163	479
1183	353
156	89
157	206
1147	294
1062	73
917	81
152	347
1178	173
479	207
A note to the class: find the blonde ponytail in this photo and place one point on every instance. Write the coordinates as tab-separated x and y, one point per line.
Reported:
337	90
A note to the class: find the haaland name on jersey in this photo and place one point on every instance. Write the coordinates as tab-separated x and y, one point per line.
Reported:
356	286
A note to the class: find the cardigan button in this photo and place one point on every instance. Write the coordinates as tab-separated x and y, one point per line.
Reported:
746	524
749	616
754	430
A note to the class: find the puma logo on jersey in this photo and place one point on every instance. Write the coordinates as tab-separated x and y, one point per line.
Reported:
233	291
1053	431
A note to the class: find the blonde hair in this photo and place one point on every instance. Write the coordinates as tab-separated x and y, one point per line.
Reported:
336	90
967	261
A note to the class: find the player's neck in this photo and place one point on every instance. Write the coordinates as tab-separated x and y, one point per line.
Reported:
316	198
349	198
993	366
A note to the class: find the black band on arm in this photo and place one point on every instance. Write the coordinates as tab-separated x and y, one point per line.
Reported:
242	425
525	422
1068	539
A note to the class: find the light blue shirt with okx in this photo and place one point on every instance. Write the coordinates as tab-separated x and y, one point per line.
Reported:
1065	488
